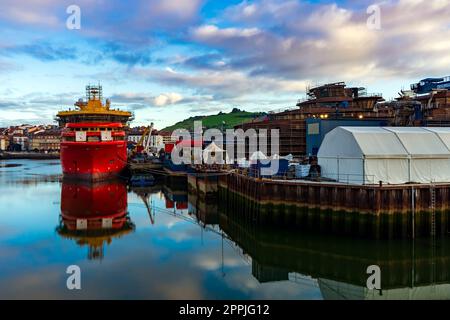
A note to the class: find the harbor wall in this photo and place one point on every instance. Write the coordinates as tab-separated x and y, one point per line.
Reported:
373	211
28	156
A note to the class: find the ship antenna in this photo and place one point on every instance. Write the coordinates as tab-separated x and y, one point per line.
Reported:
94	92
100	92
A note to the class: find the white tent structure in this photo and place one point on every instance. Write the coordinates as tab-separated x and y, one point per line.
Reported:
392	155
213	154
257	155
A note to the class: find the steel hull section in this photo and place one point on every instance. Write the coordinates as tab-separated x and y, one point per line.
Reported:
93	160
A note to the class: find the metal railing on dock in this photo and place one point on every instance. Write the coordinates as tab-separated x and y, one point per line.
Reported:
344	178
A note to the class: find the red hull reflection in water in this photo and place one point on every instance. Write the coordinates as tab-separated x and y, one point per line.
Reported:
94	213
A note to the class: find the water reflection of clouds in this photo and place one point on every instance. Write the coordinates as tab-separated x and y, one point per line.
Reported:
8	253
272	290
137	275
37	283
172	259
30	172
212	262
7	232
162	220
24	207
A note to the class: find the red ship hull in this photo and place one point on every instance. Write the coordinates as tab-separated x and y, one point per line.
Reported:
93	160
94	202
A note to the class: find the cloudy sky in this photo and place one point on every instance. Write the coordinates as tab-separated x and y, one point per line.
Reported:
170	59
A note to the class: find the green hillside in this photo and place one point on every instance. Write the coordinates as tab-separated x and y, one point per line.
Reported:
227	120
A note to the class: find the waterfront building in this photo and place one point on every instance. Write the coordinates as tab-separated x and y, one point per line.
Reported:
19	142
16	131
135	134
45	140
4	142
34	130
166	137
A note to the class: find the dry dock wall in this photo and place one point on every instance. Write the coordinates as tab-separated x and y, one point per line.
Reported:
378	211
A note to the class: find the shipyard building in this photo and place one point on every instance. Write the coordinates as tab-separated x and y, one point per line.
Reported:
386	155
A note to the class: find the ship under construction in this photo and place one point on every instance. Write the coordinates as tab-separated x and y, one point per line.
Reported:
426	104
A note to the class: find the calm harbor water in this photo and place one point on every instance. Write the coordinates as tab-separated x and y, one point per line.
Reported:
161	243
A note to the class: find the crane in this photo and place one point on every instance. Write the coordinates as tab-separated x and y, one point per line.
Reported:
140	147
147	144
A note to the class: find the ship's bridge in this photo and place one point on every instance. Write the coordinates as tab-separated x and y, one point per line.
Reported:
93	110
93	132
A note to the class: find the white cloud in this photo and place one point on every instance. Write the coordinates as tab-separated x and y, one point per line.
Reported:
40	13
297	40
220	84
180	8
167	14
259	48
213	33
167	99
